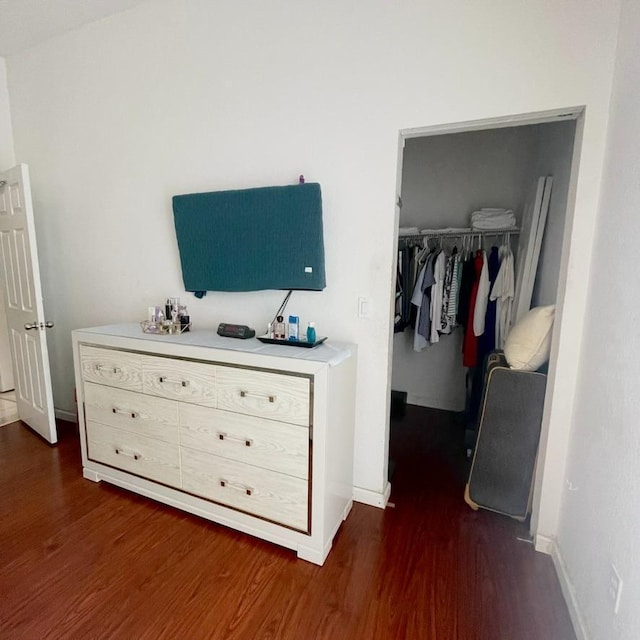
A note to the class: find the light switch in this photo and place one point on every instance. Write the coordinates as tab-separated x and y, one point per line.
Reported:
364	307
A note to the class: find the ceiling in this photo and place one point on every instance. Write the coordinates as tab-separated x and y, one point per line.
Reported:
25	23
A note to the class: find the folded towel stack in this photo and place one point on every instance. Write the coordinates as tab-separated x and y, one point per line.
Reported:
488	218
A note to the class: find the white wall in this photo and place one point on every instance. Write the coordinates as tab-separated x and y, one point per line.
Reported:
600	522
7	157
182	96
7	160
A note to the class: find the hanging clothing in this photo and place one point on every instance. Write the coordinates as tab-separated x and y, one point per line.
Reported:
482	296
452	306
423	323
446	323
437	292
397	320
436	296
503	292
421	300
487	342
411	258
419	341
407	258
470	343
467	278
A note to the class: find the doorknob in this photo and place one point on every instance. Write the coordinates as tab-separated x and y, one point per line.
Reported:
39	325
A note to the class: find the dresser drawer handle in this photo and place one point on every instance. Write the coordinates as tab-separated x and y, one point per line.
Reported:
128	454
244	394
237	487
182	383
108	368
133	414
225	436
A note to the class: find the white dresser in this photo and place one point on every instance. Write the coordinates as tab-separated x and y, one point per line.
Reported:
252	436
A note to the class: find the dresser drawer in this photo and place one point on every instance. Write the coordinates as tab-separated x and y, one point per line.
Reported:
146	457
261	393
180	380
113	368
274	496
265	443
135	412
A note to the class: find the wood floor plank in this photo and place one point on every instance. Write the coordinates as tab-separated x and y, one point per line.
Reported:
86	560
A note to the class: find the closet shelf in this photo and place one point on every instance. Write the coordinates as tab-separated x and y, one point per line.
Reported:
483	233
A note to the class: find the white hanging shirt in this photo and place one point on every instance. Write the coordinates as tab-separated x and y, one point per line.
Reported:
436	296
503	292
480	310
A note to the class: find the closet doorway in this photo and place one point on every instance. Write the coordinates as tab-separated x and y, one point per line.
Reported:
444	174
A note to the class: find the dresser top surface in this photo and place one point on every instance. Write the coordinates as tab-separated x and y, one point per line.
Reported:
331	353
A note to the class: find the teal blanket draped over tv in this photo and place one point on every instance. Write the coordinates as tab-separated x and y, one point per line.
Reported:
251	239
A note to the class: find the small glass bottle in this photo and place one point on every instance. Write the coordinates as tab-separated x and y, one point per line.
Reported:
279	331
311	332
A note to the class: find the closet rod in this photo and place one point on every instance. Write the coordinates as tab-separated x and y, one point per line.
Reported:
460	234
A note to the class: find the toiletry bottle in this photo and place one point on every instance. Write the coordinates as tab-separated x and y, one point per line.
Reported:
311	332
183	318
294	325
279	329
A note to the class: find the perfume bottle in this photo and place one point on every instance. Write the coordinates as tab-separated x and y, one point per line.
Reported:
279	331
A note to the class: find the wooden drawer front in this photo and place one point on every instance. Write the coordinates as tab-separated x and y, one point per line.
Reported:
260	393
137	454
113	368
135	412
271	445
268	494
180	380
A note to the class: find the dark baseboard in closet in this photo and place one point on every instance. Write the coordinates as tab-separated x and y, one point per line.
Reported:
398	404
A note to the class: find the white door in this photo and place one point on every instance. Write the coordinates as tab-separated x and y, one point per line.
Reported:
23	302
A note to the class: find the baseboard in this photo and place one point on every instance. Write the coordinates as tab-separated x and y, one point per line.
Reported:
544	544
67	416
567	590
372	498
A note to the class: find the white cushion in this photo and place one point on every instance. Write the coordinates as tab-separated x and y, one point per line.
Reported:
528	344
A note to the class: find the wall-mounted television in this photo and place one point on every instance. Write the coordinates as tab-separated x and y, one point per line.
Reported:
251	239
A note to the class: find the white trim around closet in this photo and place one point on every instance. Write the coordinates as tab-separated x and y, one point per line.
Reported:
556	404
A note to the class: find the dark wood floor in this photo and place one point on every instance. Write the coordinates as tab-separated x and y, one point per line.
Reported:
80	560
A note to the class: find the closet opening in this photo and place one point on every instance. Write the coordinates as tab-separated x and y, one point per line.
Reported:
483	210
